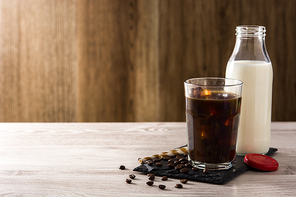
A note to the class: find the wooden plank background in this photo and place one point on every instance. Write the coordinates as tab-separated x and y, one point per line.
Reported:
38	72
126	60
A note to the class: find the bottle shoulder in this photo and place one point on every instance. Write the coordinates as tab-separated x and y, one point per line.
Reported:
250	49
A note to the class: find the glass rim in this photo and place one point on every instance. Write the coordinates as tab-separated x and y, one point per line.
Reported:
238	82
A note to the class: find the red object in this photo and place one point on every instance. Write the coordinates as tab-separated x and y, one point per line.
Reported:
261	162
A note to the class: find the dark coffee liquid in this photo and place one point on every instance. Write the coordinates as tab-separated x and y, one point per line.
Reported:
212	122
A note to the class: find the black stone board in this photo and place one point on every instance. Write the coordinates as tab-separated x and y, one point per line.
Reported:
215	177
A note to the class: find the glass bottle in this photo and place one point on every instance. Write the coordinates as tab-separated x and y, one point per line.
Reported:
250	63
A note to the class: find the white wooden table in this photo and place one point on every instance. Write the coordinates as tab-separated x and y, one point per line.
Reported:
82	159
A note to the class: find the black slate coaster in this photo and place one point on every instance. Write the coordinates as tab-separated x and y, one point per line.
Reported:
215	177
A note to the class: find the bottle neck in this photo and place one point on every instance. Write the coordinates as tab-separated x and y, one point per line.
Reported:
250	44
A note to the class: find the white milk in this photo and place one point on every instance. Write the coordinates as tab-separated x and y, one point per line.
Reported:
255	118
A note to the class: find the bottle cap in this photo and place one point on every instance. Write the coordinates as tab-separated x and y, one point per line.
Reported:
261	162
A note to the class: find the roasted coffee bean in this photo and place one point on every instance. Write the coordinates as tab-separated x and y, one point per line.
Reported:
150	183
195	169
161	186
171	165
184	181
122	167
179	156
171	161
166	157
132	176
164	178
150	163
188	165
159	164
151	176
206	171
156	159
183	159
184	170
179	166
177	162
178	186
128	181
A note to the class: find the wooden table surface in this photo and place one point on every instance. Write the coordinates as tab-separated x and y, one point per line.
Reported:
83	159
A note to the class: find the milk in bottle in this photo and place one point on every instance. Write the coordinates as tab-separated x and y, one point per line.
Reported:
250	63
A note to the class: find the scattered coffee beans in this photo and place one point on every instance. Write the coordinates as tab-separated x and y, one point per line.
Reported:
178	186
184	170
180	163
150	183
132	176
164	178
184	181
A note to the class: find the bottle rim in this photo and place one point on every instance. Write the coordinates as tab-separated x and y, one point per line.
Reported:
250	30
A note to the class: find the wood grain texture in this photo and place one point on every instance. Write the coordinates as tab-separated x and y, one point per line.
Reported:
82	159
102	64
37	60
118	60
126	60
193	35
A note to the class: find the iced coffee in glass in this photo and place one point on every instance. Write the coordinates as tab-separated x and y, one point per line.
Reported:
212	115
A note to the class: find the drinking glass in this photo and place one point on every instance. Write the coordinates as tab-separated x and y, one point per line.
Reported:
212	115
